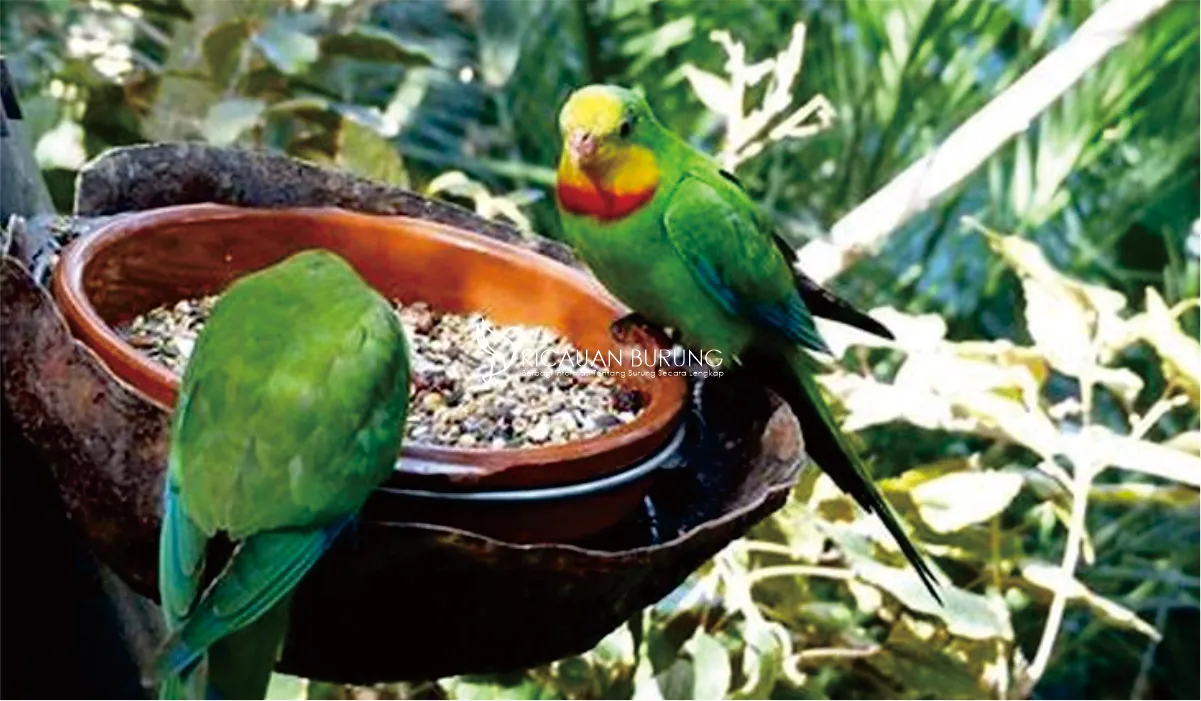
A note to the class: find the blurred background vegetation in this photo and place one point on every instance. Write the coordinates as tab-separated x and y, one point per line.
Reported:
1030	362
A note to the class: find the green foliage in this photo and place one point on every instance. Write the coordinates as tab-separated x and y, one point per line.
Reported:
1039	407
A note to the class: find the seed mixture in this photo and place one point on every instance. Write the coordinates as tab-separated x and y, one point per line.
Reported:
475	384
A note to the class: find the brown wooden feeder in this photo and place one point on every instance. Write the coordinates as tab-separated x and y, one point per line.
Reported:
142	260
394	599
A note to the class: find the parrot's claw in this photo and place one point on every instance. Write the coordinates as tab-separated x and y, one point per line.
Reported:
636	330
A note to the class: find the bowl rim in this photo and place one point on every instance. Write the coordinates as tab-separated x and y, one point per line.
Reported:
479	462
568	491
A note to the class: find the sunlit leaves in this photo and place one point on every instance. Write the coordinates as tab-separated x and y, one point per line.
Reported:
372	44
1068	319
955	501
1139	455
965	614
365	152
1180	352
711	667
457	184
714	91
655	44
286	686
222	48
920	663
287	48
227	120
776	118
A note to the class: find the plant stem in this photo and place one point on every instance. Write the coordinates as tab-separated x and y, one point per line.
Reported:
865	228
1071	556
1141	682
763	573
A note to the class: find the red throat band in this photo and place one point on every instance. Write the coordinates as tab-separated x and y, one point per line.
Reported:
607	205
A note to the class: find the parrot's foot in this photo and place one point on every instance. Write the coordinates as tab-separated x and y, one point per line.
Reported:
636	330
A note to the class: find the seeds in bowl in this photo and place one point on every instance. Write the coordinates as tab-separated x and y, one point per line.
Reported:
468	390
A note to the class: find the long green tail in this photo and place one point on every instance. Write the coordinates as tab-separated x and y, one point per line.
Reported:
239	665
241	619
794	380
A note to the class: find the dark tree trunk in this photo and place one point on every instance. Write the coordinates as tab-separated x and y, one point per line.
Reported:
62	635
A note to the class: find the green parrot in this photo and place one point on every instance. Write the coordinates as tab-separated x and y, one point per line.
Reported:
291	411
677	240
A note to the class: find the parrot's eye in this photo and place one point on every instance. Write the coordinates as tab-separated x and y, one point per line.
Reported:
626	127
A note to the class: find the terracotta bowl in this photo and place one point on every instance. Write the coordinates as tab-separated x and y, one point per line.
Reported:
142	260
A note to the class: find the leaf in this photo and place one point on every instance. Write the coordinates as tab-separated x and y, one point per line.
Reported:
918	661
574	676
654	44
961	499
1104	447
1179	352
1063	315
616	648
713	91
289	50
977	545
1012	419
62	147
1006	353
228	119
646	687
871	403
367	43
456	182
965	614
502	27
286	686
1189	442
953	376
910	479
1052	578
222	49
364	152
677	681
912	331
711	667
762	657
1060	327
498	686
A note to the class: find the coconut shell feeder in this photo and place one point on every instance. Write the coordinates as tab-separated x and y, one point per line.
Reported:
395	599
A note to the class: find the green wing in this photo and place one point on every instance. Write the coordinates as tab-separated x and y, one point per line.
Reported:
738	264
292	408
820	301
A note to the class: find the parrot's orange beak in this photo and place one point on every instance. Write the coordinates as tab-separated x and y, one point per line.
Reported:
582	145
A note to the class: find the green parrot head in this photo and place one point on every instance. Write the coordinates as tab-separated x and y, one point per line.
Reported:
610	142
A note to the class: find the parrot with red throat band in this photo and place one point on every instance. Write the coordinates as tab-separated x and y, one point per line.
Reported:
677	240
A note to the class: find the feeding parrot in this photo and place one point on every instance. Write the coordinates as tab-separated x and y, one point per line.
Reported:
290	412
677	240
